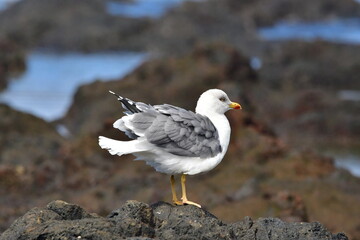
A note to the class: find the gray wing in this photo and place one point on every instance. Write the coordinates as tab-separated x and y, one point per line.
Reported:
178	131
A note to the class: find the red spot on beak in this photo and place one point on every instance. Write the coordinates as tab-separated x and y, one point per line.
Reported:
235	105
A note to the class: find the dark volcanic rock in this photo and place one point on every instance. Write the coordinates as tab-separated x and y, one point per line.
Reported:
28	148
136	220
274	228
187	222
268	12
70	25
306	92
61	220
21	131
86	25
236	22
12	61
301	64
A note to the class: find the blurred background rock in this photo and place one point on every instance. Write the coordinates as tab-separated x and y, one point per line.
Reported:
293	65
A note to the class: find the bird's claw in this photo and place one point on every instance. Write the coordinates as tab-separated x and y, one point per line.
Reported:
186	202
191	203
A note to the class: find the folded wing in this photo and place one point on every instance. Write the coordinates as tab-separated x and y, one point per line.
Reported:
178	131
174	129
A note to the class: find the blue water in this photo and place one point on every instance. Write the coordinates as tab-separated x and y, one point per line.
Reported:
349	162
255	63
142	8
134	8
349	95
50	81
6	3
340	30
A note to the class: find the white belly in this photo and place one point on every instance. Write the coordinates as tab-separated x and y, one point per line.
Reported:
172	164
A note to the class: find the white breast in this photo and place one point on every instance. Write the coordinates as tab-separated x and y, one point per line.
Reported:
222	125
198	165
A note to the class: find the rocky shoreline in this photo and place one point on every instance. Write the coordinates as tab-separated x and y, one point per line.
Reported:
269	178
12	61
136	220
290	108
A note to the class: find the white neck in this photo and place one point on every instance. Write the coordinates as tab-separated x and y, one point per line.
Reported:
222	125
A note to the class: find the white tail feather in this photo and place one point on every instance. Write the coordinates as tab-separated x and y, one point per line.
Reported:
116	147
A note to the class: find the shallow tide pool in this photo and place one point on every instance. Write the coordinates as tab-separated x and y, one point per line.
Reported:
47	86
6	3
337	30
348	162
142	8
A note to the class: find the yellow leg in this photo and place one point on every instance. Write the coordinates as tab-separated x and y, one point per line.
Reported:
184	197
175	199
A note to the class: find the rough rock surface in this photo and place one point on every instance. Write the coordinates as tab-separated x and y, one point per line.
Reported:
86	25
70	25
12	61
236	22
24	131
136	220
299	72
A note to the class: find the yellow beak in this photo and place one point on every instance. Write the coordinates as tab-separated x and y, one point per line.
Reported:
235	105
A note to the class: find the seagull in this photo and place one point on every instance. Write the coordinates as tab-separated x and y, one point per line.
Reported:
174	140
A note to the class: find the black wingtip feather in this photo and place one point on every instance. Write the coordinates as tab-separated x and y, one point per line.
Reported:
131	107
118	96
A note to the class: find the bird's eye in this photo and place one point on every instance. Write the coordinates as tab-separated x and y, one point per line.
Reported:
222	99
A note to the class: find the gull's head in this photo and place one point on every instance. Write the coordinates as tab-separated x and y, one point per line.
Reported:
215	101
